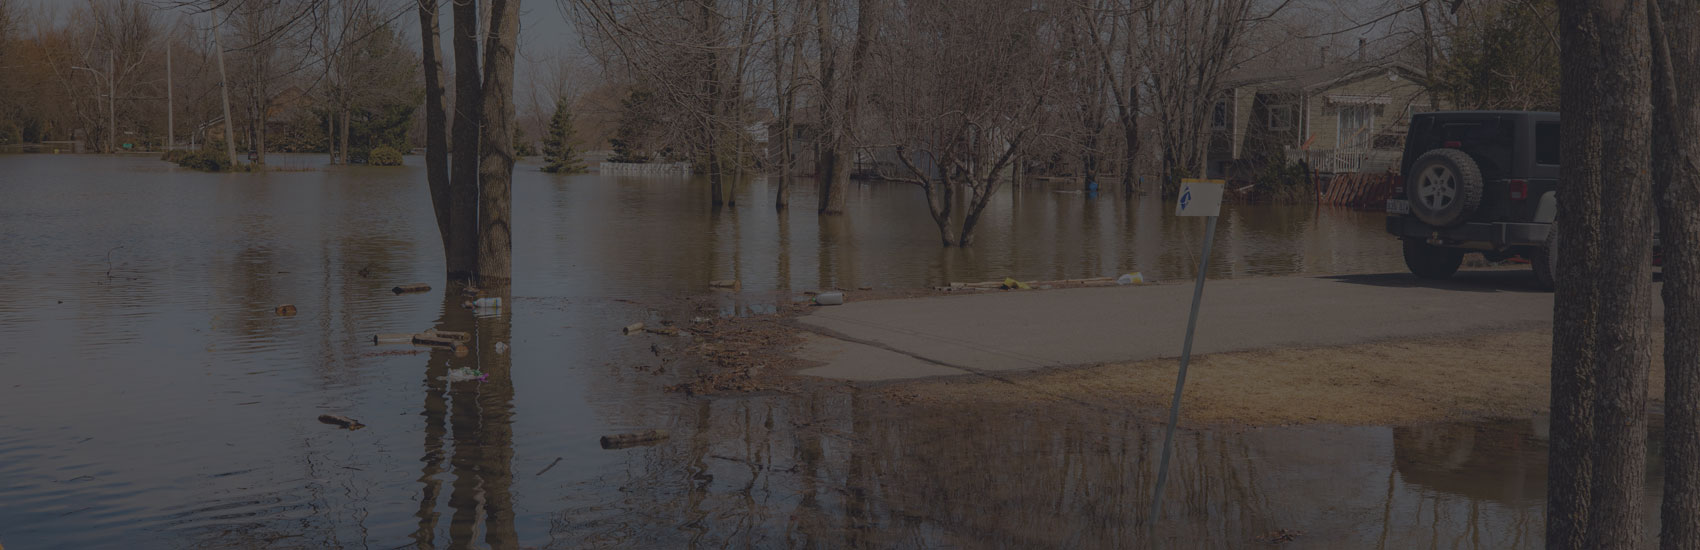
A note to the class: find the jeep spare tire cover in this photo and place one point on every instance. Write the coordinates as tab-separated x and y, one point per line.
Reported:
1444	187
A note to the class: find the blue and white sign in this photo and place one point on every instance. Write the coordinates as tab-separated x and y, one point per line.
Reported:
1200	198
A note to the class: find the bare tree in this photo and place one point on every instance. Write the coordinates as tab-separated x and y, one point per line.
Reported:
1186	47
495	172
838	99
1676	177
959	92
436	120
787	49
468	118
1603	282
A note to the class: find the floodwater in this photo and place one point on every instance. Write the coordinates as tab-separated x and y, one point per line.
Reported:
153	400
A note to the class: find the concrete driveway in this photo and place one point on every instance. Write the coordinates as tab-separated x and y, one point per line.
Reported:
1015	330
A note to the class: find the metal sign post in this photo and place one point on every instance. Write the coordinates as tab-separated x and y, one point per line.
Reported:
1198	198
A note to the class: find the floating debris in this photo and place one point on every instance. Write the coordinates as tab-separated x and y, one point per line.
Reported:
411	288
1280	535
632	329
829	299
621	441
285	310
341	421
394	338
465	374
501	348
729	284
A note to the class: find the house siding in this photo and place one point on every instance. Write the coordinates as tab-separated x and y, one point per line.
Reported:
1390	119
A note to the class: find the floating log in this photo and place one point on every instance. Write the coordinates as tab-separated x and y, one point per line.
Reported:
621	441
459	348
285	310
632	328
664	331
411	287
732	284
452	335
341	421
392	339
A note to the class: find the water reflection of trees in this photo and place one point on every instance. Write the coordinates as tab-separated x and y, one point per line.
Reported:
836	468
468	426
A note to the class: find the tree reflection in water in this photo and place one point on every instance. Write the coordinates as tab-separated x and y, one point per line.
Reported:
477	419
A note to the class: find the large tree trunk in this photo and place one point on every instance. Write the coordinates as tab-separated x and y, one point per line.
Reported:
436	119
1676	176
1603	283
827	125
709	28
782	96
495	172
468	116
837	185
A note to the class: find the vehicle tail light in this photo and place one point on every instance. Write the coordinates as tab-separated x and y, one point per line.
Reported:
1519	189
1452	144
1398	185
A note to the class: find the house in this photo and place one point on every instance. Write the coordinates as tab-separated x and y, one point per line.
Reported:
1345	117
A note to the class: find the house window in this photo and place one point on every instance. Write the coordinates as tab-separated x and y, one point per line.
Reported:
1357	123
1280	117
1219	116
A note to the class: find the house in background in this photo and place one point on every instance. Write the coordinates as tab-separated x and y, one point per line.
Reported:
1342	118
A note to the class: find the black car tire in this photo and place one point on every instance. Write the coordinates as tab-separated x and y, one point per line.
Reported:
1545	260
1444	187
1432	262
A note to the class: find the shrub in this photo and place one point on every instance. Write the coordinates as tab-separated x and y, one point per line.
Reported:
384	155
205	160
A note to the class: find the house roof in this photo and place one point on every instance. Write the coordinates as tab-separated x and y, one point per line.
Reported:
1319	78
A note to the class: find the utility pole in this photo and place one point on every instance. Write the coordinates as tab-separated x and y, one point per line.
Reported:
224	89
170	114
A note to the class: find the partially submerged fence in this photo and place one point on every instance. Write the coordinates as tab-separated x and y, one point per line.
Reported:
644	169
1357	190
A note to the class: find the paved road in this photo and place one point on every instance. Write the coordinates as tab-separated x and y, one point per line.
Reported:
1005	331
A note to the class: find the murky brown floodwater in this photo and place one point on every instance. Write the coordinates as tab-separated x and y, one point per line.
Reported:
152	399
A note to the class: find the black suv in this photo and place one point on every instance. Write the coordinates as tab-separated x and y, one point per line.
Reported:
1481	181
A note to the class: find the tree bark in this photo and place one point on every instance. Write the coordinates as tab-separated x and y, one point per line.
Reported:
436	119
345	114
708	26
844	159
495	172
1676	176
1603	285
783	96
463	176
827	130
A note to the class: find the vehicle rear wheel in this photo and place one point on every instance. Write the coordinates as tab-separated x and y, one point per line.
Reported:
1545	260
1444	187
1432	262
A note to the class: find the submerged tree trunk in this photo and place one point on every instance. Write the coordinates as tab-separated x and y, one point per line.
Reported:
1676	176
436	119
782	95
709	29
1603	289
495	172
827	130
468	116
345	114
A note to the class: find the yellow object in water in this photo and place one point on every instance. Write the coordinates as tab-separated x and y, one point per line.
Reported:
1010	283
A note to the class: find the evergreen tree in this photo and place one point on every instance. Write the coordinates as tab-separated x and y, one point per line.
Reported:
558	153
